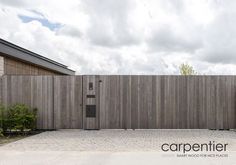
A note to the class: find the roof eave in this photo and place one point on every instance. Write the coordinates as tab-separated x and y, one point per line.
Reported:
14	51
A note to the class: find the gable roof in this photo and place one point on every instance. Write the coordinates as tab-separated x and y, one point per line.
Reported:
12	50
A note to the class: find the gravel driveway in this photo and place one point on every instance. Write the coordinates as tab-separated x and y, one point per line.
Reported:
113	147
117	140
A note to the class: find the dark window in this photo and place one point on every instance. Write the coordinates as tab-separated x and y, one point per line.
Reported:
90	110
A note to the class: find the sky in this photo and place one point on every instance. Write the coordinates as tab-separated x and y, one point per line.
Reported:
126	36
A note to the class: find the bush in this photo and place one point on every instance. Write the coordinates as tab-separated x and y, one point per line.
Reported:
2	109
1	132
19	118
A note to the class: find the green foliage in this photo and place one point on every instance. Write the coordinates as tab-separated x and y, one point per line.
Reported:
186	69
18	117
2	109
1	132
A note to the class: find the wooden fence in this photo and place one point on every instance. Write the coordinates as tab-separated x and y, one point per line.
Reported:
126	102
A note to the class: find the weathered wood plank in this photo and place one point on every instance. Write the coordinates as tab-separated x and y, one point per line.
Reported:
126	101
68	101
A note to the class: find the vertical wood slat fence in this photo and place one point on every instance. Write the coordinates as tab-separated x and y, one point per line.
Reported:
57	98
181	102
126	102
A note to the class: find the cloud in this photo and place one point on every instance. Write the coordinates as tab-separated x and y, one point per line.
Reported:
176	6
109	23
220	39
165	39
69	31
126	36
16	3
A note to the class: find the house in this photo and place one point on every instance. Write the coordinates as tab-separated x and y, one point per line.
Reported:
15	60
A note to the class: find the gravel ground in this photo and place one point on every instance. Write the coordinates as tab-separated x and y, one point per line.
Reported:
4	140
117	140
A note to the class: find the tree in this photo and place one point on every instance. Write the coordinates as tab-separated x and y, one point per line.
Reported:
186	69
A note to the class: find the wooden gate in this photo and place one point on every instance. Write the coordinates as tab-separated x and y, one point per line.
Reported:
91	102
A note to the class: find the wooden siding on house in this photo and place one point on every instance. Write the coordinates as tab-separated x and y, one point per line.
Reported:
16	67
1	66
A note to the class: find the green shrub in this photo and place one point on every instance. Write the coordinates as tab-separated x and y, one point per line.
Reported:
21	118
17	117
1	132
2	110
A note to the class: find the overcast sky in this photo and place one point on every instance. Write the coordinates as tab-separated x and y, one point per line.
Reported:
126	36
